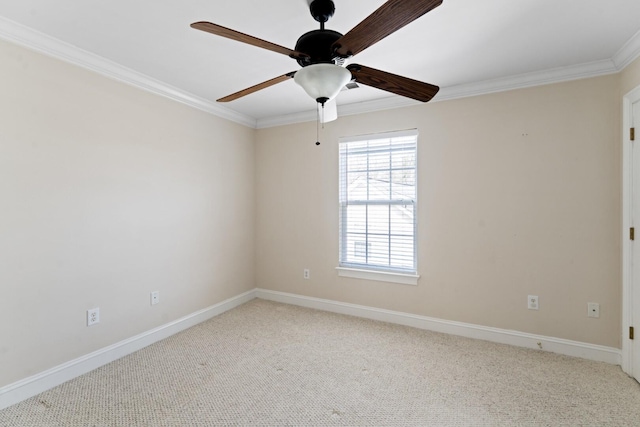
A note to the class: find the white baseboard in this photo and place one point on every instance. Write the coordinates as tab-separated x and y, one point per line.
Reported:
31	386
504	336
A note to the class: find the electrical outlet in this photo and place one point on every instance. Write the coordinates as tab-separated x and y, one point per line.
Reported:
532	302
93	316
306	274
155	297
593	309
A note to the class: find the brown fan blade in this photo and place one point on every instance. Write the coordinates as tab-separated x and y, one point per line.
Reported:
219	30
257	87
389	18
393	83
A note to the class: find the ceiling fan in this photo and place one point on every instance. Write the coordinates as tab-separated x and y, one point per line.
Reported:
322	53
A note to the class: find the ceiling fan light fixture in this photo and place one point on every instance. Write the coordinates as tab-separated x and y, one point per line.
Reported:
322	82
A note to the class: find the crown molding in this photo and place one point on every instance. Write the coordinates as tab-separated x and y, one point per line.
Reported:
628	53
288	119
556	75
343	110
521	81
42	43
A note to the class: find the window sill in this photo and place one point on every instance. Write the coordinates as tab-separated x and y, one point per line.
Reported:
381	276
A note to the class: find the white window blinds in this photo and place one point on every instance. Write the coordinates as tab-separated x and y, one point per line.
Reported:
378	202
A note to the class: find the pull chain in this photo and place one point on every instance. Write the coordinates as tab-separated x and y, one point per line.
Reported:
318	125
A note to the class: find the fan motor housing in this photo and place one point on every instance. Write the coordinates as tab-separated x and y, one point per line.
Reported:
317	44
322	10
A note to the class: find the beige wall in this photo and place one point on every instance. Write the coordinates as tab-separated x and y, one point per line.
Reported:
630	77
106	194
519	193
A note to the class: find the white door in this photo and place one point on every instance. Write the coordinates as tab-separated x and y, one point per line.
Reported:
634	285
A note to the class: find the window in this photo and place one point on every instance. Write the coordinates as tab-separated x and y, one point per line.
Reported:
378	203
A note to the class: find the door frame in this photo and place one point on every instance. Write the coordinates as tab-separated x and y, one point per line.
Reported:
627	196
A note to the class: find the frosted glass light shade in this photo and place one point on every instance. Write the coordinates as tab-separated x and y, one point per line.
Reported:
322	82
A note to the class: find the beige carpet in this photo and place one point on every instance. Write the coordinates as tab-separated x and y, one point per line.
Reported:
266	363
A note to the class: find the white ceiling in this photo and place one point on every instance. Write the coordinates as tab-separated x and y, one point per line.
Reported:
458	45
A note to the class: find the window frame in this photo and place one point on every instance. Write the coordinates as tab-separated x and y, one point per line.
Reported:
363	270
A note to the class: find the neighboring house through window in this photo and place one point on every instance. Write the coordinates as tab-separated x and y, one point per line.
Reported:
378	198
